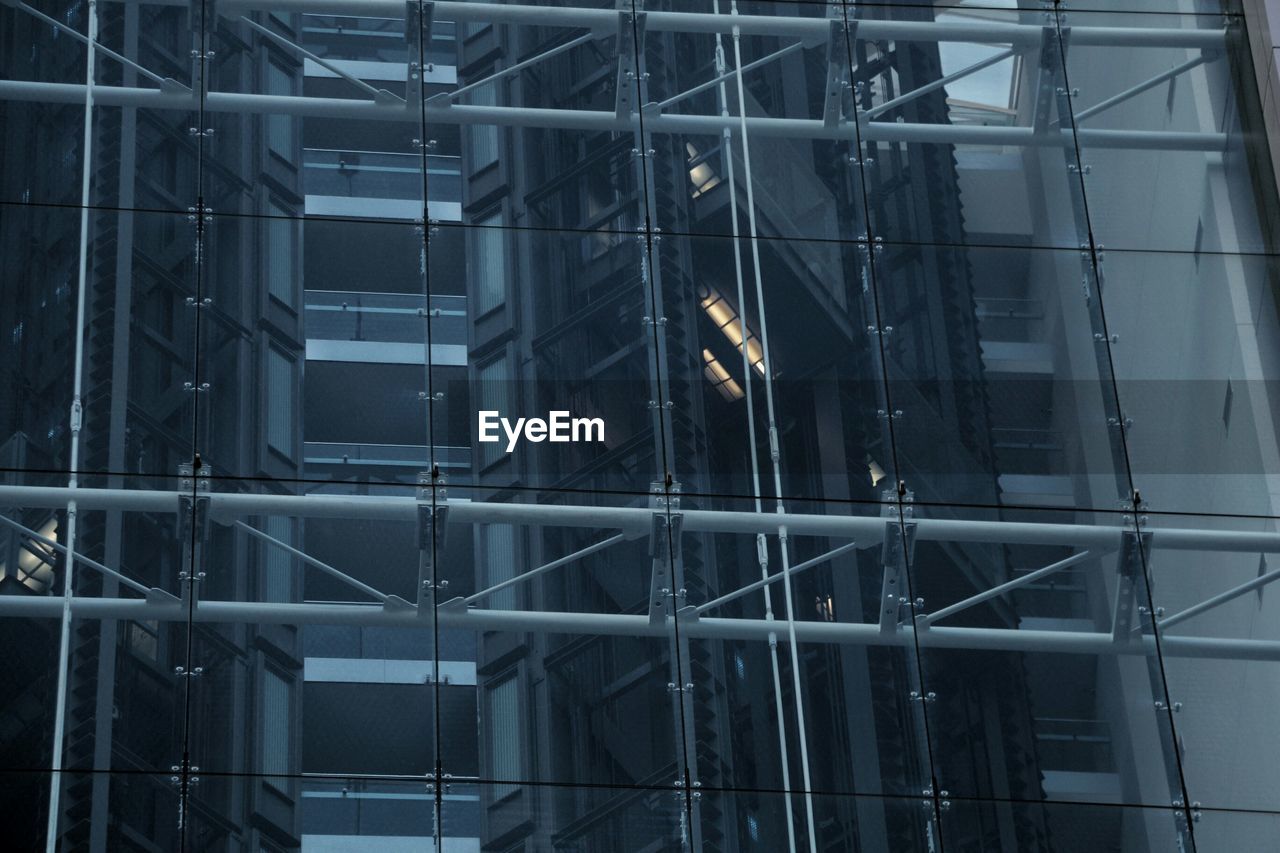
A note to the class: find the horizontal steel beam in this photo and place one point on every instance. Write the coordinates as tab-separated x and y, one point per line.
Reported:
813	29
441	111
626	625
225	508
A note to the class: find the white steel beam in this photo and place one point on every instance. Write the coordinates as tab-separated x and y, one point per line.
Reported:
225	508
439	110
810	28
639	625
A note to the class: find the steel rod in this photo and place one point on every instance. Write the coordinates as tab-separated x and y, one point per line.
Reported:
811	28
312	561
62	549
1221	598
1143	86
868	530
598	120
89	42
546	567
761	584
720	78
318	60
620	624
939	83
520	66
996	591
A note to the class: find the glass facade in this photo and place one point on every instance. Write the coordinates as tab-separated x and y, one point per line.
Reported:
935	498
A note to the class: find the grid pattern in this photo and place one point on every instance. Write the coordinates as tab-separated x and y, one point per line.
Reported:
895	314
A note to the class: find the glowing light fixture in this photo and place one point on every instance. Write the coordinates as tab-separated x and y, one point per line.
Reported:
720	378
726	319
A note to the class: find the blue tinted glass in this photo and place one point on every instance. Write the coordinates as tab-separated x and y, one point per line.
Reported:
686	425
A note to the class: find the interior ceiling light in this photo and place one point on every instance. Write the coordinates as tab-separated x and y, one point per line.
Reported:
720	377
727	321
701	175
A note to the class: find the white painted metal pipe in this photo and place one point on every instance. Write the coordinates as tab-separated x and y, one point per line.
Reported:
440	112
619	624
812	28
75	422
868	530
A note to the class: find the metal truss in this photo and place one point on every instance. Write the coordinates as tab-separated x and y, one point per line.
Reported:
382	105
637	522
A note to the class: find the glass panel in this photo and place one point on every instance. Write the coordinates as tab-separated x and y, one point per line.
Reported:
124	657
487	259
564	818
335	386
281	411
570	347
793	174
277	718
1164	97
962	135
340	678
1212	584
770	820
1195	340
1000	377
1063	827
1223	831
579	174
109	811
351	814
1041	679
769	341
571	676
320	110
506	747
1205	7
144	142
137	386
801	649
499	557
282	254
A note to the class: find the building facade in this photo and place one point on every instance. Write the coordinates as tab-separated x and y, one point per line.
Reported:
934	347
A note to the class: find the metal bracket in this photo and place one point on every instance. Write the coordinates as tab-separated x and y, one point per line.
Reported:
660	580
418	19
155	595
432	527
1047	82
193	527
837	74
894	558
664	551
395	603
630	31
1129	565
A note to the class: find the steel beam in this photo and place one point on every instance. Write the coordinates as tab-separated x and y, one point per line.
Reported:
996	591
224	508
440	111
639	625
810	28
